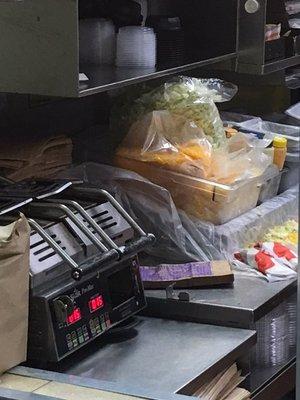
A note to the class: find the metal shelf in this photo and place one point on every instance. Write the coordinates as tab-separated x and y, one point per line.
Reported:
281	64
44	39
222	306
281	383
103	78
260	377
269	67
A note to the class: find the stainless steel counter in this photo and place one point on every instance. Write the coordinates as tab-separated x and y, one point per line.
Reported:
239	305
161	356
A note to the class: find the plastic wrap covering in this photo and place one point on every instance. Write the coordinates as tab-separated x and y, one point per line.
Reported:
272	129
235	118
178	240
191	98
171	142
292	7
203	199
253	225
294	111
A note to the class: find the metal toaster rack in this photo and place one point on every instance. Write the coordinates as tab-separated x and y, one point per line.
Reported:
108	251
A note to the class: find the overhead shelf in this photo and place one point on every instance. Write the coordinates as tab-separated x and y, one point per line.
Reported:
279	65
103	78
270	67
42	55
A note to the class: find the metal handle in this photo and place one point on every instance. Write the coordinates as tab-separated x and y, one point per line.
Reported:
64	255
94	263
117	206
137	245
90	220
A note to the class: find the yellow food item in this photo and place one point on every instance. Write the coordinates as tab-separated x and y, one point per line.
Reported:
190	158
293	238
194	151
164	158
286	233
230	132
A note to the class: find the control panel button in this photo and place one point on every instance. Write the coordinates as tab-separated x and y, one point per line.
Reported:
63	307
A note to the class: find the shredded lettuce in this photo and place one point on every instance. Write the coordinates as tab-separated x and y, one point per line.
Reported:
286	233
191	98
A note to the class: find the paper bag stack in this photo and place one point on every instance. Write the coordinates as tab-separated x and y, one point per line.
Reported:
14	293
42	158
225	386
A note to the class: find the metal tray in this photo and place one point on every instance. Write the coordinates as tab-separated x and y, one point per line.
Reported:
160	355
239	305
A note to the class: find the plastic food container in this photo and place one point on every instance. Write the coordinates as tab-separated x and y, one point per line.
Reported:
203	199
292	172
270	185
261	128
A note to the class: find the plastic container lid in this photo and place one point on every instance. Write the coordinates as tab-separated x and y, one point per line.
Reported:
280	142
164	22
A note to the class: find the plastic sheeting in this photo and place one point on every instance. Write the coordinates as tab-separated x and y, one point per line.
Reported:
251	226
191	98
178	239
175	143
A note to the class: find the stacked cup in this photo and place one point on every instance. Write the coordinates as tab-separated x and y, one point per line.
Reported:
97	41
272	347
136	47
170	40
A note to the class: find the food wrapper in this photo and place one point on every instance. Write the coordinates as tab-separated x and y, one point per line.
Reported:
281	253
273	260
194	274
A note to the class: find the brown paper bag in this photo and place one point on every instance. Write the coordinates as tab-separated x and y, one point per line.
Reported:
14	292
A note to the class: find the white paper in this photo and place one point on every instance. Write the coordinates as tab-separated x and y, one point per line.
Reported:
83	77
294	111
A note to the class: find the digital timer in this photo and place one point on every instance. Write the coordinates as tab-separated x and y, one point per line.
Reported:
95	303
74	317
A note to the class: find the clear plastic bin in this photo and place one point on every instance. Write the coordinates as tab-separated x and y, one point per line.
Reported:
235	118
203	199
292	172
270	185
261	128
253	225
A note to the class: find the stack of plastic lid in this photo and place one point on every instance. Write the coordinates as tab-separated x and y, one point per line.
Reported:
272	348
170	40
292	330
136	47
97	41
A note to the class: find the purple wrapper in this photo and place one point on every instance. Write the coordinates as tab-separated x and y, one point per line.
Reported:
175	272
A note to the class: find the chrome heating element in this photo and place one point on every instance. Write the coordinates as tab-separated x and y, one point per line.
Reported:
83	264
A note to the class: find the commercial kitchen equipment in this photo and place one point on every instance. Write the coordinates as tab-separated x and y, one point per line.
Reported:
83	264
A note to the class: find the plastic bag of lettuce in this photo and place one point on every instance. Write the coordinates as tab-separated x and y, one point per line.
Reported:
191	98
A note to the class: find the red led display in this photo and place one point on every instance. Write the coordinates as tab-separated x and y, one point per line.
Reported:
74	317
96	303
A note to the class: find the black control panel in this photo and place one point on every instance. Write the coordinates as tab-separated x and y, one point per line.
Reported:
67	318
